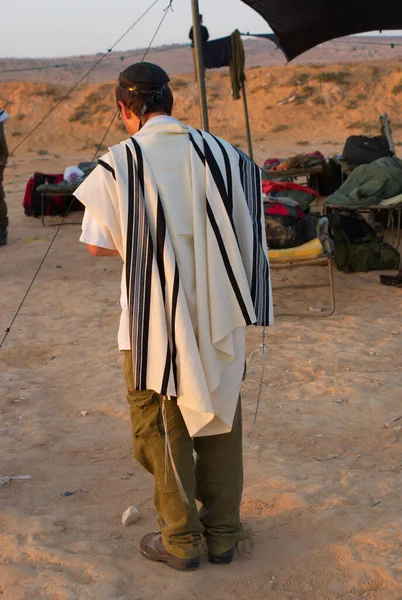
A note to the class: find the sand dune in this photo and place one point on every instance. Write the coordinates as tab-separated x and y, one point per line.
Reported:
325	104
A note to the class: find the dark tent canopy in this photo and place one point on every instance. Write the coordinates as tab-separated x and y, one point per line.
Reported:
302	24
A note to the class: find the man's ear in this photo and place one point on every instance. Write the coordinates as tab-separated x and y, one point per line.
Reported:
125	111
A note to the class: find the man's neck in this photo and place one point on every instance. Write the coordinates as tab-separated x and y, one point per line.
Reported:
148	117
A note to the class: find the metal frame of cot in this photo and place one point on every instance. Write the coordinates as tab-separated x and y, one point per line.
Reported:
323	260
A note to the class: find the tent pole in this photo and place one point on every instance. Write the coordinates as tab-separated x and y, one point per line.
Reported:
199	65
243	93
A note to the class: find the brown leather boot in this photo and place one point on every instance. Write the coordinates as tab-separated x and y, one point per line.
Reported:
225	558
151	546
3	235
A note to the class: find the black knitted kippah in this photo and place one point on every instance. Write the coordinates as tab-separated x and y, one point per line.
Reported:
144	73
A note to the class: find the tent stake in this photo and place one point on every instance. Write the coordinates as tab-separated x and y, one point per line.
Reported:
199	65
243	93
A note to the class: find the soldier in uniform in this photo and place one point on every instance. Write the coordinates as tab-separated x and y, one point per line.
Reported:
3	161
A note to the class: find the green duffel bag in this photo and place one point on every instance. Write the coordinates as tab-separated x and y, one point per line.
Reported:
358	247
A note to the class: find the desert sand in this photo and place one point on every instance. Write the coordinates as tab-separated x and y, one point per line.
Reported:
323	483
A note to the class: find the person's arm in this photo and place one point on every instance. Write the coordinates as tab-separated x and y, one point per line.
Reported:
99	251
3	146
101	228
97	238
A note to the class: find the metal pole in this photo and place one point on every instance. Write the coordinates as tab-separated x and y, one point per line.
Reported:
250	146
199	65
387	131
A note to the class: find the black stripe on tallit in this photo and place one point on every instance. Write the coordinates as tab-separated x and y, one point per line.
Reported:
1	111
144	279
227	264
160	246
147	310
197	149
219	182
209	159
263	264
229	182
104	164
140	270
249	193
175	296
134	257
130	211
166	372
250	176
140	165
221	245
257	240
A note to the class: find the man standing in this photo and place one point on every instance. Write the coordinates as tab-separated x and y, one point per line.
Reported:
204	33
3	161
184	211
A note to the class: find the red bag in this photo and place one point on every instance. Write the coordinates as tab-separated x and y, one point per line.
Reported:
269	186
32	203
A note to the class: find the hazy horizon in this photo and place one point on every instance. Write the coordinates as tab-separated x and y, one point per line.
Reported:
44	30
47	31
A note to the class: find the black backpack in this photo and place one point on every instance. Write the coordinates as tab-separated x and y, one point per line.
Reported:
362	150
357	246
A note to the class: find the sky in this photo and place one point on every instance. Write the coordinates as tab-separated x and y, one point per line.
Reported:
52	28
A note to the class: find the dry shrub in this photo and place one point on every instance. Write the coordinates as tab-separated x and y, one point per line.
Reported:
352	104
338	77
50	89
92	105
178	83
279	128
307	90
299	79
318	101
364	126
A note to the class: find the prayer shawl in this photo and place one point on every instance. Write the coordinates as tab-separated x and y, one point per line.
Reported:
231	265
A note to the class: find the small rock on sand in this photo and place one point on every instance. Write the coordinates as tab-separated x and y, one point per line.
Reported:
131	515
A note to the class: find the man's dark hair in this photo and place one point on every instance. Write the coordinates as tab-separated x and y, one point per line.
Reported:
135	100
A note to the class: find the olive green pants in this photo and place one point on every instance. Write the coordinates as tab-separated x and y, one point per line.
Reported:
3	205
210	470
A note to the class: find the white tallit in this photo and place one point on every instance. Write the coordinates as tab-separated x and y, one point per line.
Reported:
232	277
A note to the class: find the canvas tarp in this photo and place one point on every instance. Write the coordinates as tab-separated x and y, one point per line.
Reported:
302	24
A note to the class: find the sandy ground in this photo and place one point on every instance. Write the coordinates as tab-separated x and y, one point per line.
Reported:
322	497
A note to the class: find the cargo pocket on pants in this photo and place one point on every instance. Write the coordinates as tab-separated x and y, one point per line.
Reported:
145	413
146	425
